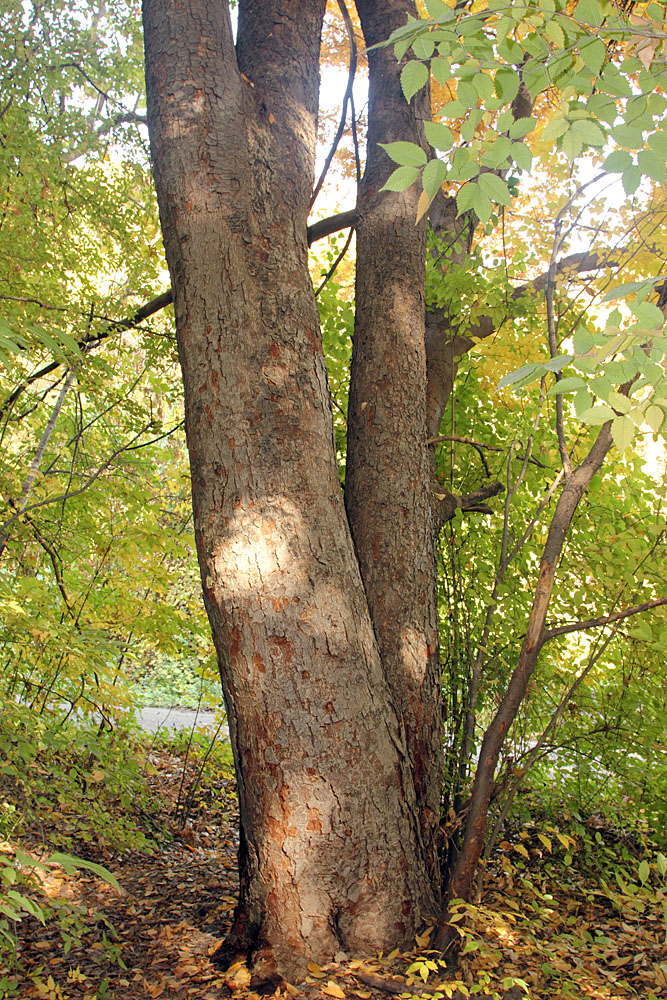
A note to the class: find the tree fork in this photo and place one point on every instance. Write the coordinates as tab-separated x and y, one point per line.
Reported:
333	856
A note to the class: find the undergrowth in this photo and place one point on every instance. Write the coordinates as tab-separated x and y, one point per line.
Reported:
75	796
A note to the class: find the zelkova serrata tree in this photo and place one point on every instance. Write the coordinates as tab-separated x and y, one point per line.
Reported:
323	611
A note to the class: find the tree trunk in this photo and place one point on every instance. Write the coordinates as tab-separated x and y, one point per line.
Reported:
332	855
388	471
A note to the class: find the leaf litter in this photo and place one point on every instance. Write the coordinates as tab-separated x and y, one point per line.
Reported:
546	926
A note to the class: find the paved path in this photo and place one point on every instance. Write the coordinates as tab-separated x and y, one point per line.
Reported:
152	719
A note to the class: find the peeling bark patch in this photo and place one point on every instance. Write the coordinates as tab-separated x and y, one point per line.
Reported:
314	821
258	663
314	341
235	644
285	648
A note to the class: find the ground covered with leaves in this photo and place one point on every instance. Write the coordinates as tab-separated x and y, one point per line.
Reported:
574	908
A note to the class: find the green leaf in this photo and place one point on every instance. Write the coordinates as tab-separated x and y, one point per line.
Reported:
433	176
572	144
632	178
522	156
518	375
631	288
497	152
648	313
495	188
614	82
453	109
625	135
620	403
583	341
652	165
555	129
442	70
522	127
654	417
466	93
423	46
590	132
401	179
557	364
623	432
483	84
658	143
594	53
414	76
589	12
617	162
595	415
570	384
439	136
437	10
407	154
661	862
582	402
554	33
482	205
506	83
72	864
465	199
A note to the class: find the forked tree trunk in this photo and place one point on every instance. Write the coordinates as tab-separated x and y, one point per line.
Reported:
332	853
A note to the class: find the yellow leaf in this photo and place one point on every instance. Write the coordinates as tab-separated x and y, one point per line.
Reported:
422	204
333	990
314	967
422	939
520	849
97	775
545	840
292	990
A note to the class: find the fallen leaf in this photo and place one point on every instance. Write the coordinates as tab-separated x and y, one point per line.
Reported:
333	990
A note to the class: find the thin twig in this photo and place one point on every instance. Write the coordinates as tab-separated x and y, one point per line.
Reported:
332	270
346	99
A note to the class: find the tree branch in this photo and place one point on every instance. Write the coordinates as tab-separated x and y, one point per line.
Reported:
479	444
449	503
447	343
604	620
318	230
91	341
333	224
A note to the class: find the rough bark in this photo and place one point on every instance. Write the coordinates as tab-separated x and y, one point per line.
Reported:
388	473
332	853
